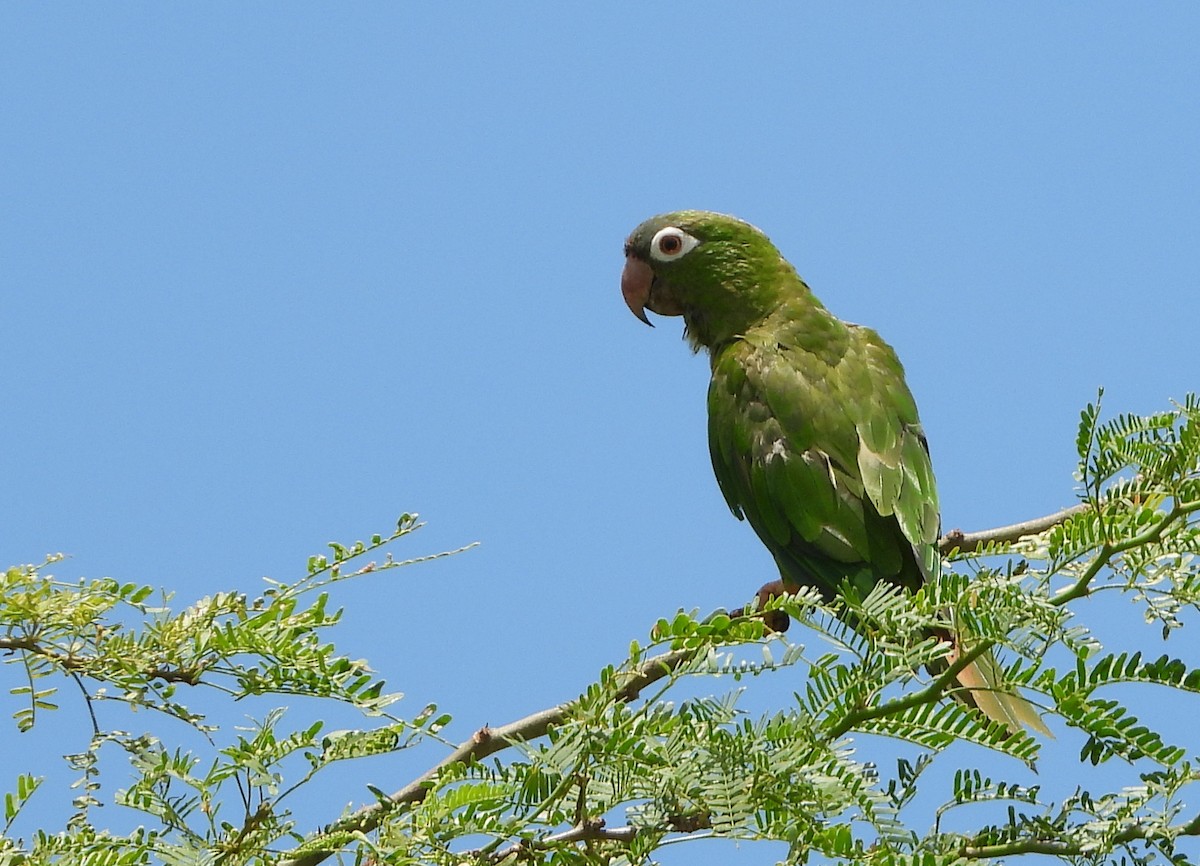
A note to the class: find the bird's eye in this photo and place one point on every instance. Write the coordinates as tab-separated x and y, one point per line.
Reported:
671	243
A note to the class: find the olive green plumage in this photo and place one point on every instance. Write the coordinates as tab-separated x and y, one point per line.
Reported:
813	432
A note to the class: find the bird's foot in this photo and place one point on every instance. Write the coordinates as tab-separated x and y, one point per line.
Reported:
774	620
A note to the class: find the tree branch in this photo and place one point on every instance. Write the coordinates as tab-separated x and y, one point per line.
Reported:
484	742
596	830
1060	848
585	831
970	542
82	664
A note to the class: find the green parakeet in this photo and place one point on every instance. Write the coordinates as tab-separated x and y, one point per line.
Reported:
813	433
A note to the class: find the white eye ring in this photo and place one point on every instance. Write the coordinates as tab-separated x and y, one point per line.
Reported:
671	243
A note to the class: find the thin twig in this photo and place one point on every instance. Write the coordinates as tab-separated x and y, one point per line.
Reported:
585	831
87	702
1061	848
927	695
1108	550
70	662
969	542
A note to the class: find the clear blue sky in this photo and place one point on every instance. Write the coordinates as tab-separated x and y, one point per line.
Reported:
273	274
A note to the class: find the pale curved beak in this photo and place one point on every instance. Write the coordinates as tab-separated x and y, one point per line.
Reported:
635	286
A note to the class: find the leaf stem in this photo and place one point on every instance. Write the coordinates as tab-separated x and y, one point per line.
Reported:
1108	550
927	695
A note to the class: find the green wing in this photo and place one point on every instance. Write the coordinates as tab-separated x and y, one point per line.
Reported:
893	455
822	452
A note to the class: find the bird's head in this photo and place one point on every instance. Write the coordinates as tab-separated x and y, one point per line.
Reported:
720	273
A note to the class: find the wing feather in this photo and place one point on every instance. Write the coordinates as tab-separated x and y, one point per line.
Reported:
825	457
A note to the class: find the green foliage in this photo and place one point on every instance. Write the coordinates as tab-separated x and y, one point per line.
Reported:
658	751
229	798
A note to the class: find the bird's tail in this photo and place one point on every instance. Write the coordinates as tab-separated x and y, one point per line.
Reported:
982	689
